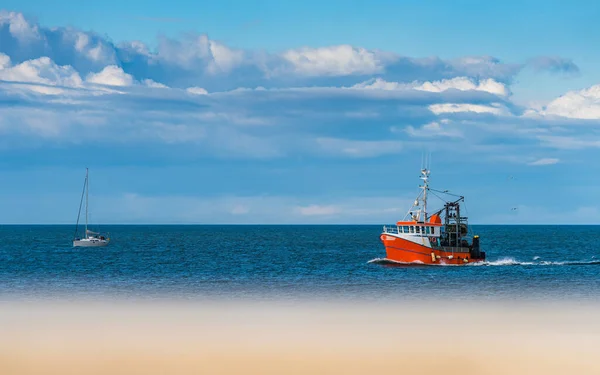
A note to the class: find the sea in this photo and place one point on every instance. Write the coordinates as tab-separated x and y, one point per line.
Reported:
530	262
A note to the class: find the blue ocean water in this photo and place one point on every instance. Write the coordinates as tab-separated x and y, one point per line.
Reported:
188	261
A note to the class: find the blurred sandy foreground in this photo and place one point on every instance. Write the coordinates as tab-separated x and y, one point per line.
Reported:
216	337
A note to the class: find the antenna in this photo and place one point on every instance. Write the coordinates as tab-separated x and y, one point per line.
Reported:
429	161
418	211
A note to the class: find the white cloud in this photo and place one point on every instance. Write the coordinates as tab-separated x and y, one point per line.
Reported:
465	84
334	61
224	58
18	26
433	129
306	108
111	76
151	83
381	84
583	104
197	90
42	70
457	83
464	107
187	53
4	61
90	49
544	161
196	60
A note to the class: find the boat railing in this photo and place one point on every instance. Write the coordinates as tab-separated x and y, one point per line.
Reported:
392	229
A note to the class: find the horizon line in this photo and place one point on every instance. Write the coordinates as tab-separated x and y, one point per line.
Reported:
287	224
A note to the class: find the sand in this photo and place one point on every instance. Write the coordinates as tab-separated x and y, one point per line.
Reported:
219	337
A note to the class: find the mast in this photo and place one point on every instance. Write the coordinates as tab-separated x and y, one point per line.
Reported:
425	177
418	212
80	204
87	192
425	187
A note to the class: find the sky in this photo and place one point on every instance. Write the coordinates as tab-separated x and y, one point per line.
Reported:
315	112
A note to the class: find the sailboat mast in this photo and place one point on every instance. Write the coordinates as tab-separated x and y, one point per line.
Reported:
87	192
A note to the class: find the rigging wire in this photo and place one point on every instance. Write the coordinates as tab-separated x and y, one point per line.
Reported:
446	192
471	233
442	199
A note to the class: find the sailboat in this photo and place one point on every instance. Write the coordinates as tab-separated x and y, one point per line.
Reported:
90	239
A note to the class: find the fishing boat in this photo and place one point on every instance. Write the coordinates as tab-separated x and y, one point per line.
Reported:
90	238
440	237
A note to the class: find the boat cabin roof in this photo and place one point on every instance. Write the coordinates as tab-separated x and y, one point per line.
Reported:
418	223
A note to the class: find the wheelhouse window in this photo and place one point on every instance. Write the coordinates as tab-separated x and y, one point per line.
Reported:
412	229
405	229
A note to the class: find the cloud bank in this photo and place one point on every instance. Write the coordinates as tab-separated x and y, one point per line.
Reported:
66	92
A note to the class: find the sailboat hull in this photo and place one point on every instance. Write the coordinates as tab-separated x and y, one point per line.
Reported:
90	243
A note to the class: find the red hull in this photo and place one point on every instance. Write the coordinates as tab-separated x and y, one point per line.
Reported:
404	251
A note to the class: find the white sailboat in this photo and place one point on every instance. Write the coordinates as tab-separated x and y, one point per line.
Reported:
90	239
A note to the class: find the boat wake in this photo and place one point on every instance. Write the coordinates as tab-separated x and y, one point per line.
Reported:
513	262
507	261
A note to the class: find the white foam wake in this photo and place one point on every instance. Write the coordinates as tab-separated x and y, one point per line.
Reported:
509	261
505	261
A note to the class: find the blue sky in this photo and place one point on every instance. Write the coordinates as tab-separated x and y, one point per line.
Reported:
319	112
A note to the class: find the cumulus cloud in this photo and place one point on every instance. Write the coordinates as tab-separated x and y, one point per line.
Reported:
196	60
582	104
18	26
24	40
346	110
336	101
336	60
112	76
42	70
